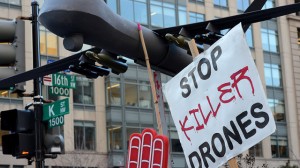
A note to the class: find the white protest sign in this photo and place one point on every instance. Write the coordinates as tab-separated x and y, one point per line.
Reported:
218	103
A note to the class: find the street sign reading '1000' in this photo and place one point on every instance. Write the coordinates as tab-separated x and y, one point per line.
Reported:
63	80
58	91
58	108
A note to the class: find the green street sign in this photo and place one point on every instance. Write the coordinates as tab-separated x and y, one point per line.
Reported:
58	91
63	80
56	121
58	108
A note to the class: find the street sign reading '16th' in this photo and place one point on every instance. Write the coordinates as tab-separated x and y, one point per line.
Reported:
58	108
63	80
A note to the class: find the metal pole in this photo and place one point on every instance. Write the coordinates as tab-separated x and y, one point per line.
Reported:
37	86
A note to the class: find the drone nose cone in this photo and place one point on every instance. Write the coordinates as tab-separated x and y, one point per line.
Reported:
68	17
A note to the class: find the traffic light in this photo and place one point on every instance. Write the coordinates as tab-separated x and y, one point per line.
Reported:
21	140
12	47
54	144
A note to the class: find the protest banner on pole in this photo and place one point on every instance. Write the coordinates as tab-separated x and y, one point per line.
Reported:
218	103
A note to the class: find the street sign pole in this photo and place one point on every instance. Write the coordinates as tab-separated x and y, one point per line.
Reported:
37	84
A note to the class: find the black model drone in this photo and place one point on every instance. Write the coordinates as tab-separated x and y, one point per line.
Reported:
93	22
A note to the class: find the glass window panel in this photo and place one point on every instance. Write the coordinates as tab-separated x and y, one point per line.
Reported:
249	37
169	17
52	44
130	73
43	50
279	147
115	138
131	97
140	10
182	17
256	150
12	2
84	135
222	3
242	5
269	4
112	4
146	117
48	42
116	115
265	41
269	40
132	116
130	131
127	9
84	92
78	140
175	142
156	16
145	95
273	75
90	138
277	108
113	93
196	17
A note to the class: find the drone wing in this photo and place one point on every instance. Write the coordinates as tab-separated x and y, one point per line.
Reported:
229	22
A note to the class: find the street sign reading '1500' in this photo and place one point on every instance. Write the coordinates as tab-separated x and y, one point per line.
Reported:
63	80
56	121
58	108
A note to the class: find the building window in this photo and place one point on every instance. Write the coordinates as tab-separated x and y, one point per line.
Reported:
195	1
115	138
175	142
196	17
182	12
48	42
84	92
242	5
145	96
4	166
129	131
279	147
277	107
270	40
249	36
131	93
135	10
269	4
8	94
221	3
273	75
112	4
18	166
162	13
256	150
11	2
113	92
84	135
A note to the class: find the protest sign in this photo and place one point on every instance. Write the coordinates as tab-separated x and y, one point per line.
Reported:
218	103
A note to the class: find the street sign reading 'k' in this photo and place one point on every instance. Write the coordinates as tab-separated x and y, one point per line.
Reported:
58	108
